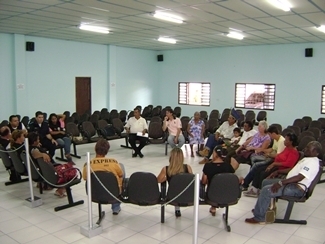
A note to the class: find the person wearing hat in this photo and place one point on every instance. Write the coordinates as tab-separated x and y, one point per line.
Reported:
225	131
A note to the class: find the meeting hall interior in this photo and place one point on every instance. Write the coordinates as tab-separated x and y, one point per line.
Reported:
82	57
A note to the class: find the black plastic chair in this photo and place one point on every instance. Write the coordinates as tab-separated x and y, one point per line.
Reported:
304	141
51	177
99	194
7	162
176	185
223	192
278	126
292	200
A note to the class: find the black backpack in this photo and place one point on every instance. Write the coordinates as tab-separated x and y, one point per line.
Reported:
108	130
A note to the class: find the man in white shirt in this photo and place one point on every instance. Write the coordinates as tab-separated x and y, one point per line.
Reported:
135	125
303	173
225	131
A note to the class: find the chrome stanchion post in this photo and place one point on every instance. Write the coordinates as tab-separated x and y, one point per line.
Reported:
90	230
33	201
196	208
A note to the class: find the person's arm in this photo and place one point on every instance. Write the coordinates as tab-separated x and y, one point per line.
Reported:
49	136
204	179
293	179
189	130
202	130
127	126
189	169
278	172
164	126
264	146
162	175
234	164
145	129
244	144
37	154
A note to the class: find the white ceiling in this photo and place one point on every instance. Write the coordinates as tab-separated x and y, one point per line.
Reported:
131	25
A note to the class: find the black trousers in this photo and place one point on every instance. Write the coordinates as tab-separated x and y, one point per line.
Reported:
132	140
261	174
46	143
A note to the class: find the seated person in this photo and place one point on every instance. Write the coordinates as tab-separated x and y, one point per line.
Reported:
195	130
217	166
15	124
303	173
5	136
37	152
174	125
17	141
133	126
43	130
58	133
234	140
102	163
269	153
225	131
286	159
255	145
176	166
247	134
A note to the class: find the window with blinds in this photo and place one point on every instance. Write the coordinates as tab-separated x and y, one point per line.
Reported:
256	96
323	100
194	93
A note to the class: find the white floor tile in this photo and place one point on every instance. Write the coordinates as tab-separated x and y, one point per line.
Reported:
271	236
13	225
229	237
47	239
69	234
139	238
160	232
183	237
7	240
311	233
27	234
117	233
300	240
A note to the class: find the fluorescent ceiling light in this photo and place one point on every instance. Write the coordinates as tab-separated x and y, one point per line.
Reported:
93	28
168	40
168	17
281	4
321	28
235	35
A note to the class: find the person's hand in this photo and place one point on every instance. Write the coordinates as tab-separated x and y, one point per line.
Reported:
128	130
165	119
249	148
258	150
54	142
62	132
175	140
269	168
143	132
273	175
239	149
46	158
39	145
275	187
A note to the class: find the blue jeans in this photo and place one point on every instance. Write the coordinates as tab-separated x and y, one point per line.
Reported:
264	199
116	207
257	161
181	141
65	142
212	143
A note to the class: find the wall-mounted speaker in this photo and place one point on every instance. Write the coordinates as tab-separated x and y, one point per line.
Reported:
30	46
308	52
160	58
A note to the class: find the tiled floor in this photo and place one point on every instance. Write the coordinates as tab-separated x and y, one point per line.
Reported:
22	224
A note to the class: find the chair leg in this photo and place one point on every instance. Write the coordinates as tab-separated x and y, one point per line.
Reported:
225	219
101	214
70	200
74	154
162	214
61	158
126	143
166	148
286	219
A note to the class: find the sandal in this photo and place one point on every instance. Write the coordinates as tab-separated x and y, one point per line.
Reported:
212	211
59	194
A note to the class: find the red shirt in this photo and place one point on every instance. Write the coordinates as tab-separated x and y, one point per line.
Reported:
288	158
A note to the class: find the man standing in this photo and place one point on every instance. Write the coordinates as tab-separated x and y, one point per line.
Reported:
137	127
303	173
101	163
42	128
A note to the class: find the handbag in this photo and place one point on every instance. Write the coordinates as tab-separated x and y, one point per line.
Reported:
271	212
66	172
245	154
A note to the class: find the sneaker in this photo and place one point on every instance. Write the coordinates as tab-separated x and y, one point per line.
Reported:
253	221
116	212
251	193
178	213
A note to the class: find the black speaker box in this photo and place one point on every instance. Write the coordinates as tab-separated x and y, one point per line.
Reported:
30	46
160	58
308	52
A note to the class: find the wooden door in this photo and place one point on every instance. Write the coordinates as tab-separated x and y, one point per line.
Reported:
83	95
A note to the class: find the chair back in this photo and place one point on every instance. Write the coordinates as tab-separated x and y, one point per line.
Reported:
223	190
143	189
317	132
305	133
76	117
89	129
102	124
278	126
146	112
214	114
19	166
118	125
34	168
105	116
178	111
155	112
307	120
315	123
122	115
25	121
322	122
5	158
224	117
296	129
155	130
314	183
250	116
83	118
48	171
204	115
304	141
226	111
213	125
94	119
113	114
156	119
4	123
262	115
176	185
98	192
300	123
72	129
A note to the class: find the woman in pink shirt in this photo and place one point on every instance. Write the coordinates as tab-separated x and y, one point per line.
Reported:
174	125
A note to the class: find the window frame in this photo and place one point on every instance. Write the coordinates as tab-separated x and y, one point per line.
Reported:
270	86
322	100
185	86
